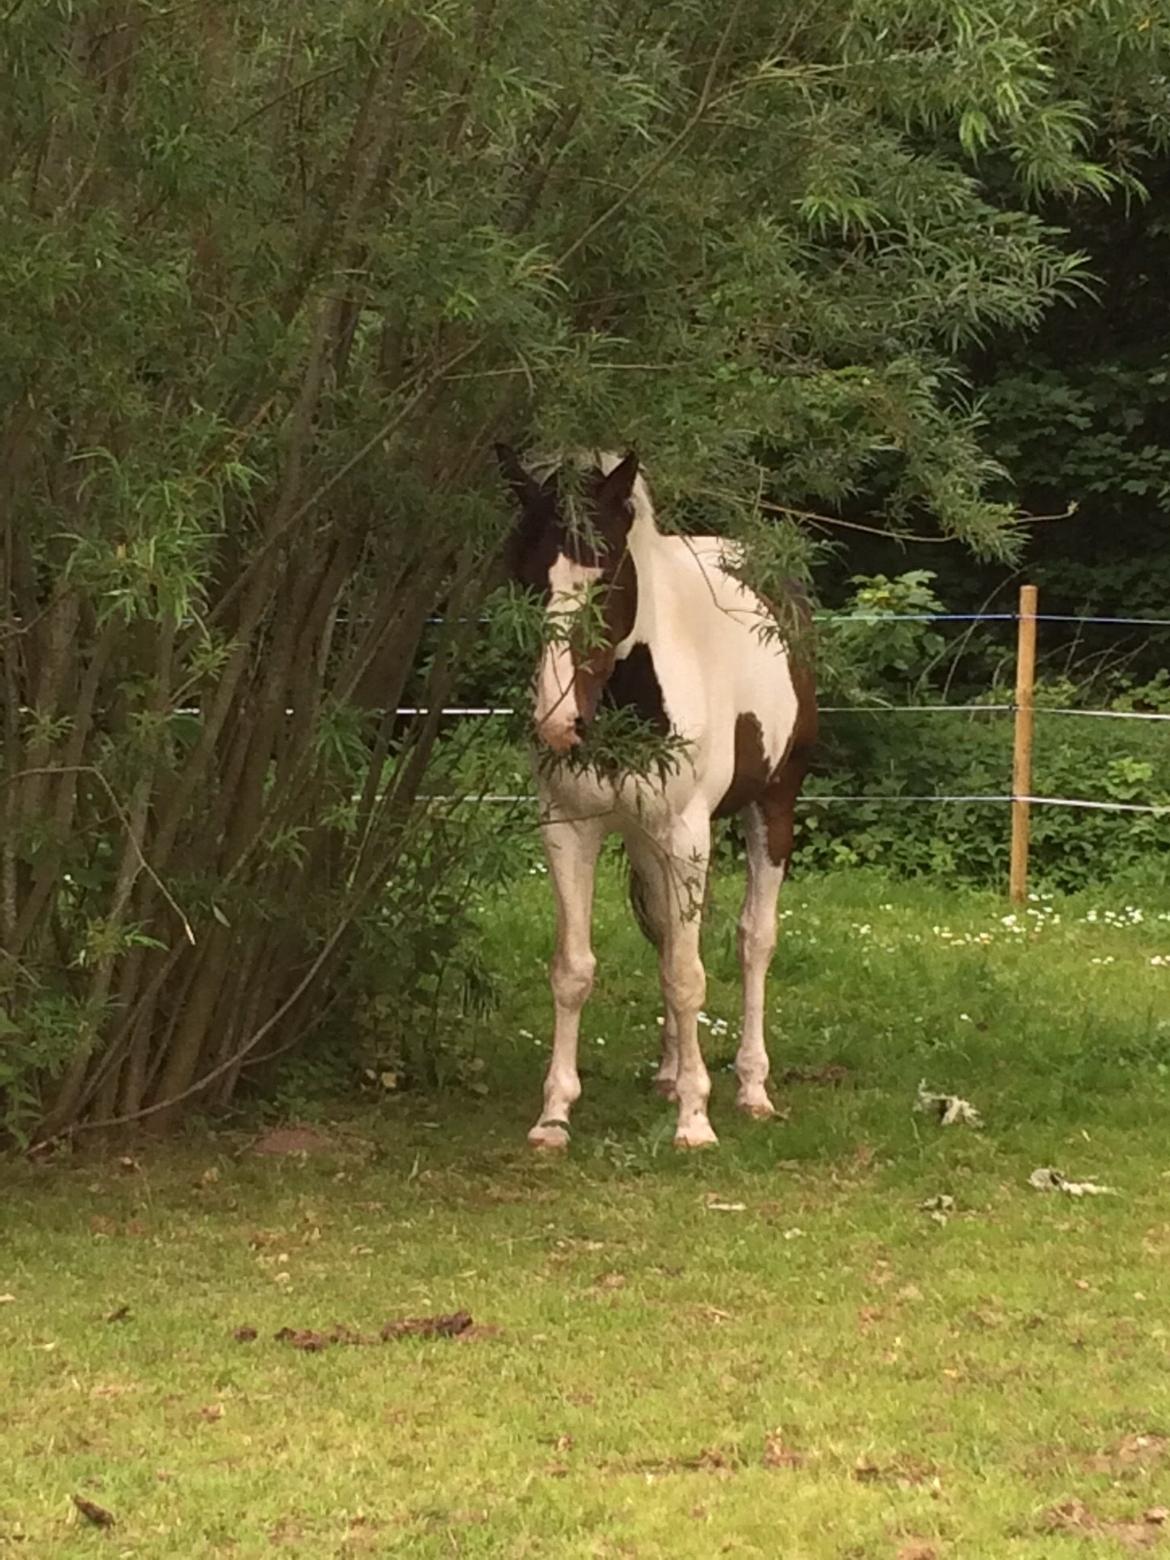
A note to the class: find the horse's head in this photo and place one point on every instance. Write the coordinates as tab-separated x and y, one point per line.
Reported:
569	546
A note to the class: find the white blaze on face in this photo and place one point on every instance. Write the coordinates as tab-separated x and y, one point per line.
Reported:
556	697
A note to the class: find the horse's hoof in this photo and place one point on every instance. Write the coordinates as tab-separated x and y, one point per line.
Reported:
550	1137
758	1110
696	1138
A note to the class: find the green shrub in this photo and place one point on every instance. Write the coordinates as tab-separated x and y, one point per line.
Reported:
885	755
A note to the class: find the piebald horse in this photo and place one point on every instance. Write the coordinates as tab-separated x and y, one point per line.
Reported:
700	656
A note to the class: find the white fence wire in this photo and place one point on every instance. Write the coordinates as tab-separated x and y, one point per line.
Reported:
1040	711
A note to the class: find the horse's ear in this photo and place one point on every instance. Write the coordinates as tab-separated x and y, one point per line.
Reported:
617	488
512	469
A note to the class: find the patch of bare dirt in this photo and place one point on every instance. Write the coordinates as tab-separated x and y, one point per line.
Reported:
830	1074
363	1536
779	1454
711	1459
428	1326
311	1340
293	1140
610	1281
1131	1455
1074	1519
904	1472
93	1513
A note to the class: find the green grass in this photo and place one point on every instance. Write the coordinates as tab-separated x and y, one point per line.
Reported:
941	1387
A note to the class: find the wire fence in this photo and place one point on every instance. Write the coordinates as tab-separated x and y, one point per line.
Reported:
887	619
951	617
812	798
528	798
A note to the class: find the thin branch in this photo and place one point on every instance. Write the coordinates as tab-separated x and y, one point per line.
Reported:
245	1050
424	387
818	519
144	865
526	370
897	536
299	86
854	525
658	163
23	968
1065	514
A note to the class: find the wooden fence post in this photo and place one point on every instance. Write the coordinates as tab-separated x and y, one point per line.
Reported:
1022	746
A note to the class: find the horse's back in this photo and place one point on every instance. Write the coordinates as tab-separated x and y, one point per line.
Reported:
736	648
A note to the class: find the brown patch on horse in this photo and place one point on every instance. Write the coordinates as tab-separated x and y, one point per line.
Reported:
619	608
634	685
752	771
774	788
778	803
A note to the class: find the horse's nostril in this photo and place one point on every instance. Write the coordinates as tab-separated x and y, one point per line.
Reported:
579	728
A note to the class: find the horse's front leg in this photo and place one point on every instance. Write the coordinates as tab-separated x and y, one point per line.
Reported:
571	848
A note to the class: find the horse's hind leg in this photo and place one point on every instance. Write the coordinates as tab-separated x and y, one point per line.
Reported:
649	900
757	939
768	826
666	1078
572	848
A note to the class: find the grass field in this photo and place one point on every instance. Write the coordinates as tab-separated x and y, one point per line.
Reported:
771	1349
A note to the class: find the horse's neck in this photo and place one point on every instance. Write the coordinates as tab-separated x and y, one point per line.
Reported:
679	578
663	618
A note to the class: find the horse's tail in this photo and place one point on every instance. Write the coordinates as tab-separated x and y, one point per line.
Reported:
648	907
640	902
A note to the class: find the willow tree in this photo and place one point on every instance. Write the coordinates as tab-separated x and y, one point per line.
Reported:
273	277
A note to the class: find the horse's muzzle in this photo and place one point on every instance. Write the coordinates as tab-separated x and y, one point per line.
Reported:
561	736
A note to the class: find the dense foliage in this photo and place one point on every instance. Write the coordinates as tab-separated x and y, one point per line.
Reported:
904	747
271	279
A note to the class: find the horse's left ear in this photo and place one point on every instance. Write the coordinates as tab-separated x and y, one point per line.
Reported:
516	475
617	488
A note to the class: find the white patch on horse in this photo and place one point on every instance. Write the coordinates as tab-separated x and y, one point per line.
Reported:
556	711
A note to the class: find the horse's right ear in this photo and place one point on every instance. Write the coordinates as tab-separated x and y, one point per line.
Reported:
512	468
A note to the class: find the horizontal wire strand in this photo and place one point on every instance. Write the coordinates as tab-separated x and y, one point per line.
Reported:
955	617
844	709
1038	801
